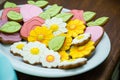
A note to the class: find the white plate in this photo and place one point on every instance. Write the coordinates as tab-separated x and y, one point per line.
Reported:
100	54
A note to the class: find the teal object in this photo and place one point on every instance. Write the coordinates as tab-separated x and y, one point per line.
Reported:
6	70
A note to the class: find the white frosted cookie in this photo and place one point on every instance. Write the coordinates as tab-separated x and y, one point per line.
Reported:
81	39
50	59
68	64
17	47
32	51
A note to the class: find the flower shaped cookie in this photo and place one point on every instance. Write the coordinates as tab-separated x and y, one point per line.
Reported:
82	51
17	47
41	34
75	27
56	25
50	59
32	51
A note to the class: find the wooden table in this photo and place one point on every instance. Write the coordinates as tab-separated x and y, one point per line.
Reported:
110	8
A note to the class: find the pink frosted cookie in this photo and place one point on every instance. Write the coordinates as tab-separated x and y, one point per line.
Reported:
9	38
77	14
29	11
96	33
6	10
30	25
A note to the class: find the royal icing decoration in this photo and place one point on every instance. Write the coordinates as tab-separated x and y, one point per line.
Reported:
50	59
56	25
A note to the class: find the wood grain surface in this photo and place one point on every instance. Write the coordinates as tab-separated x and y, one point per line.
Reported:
110	8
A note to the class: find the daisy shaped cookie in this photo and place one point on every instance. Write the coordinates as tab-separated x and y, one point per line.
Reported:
56	25
17	47
50	59
32	51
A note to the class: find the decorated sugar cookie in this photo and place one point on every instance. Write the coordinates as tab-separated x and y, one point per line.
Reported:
73	63
41	34
81	39
30	25
78	14
32	51
9	38
82	51
29	11
50	59
56	25
16	48
10	27
75	27
65	16
56	43
89	15
98	22
96	33
39	3
15	16
9	5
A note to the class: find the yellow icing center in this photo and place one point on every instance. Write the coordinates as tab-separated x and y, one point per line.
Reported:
50	58
72	26
54	27
40	37
80	37
20	46
34	51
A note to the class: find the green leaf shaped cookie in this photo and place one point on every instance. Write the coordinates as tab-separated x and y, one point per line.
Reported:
89	15
31	2
9	5
56	43
64	16
13	15
39	3
53	10
10	27
44	15
98	22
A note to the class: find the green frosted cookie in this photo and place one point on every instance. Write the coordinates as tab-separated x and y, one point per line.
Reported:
10	27
98	22
64	16
56	43
44	15
89	15
15	16
53	10
9	5
39	3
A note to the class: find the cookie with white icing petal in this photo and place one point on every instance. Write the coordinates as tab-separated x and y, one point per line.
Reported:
16	48
81	39
73	63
